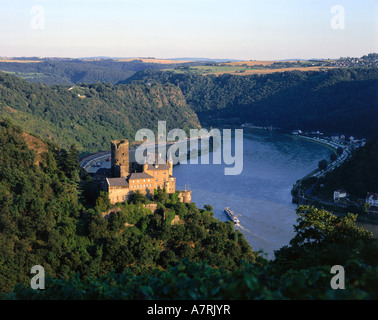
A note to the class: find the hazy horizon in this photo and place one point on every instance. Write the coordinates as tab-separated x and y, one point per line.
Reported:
240	30
184	58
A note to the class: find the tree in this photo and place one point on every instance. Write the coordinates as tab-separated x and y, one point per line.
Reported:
161	195
72	163
167	258
323	164
323	239
365	208
103	201
316	226
137	197
333	157
208	207
340	151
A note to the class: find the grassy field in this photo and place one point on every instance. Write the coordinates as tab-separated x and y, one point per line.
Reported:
237	69
150	60
25	75
209	69
249	63
19	61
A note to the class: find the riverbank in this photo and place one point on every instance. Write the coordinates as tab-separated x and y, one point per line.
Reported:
331	145
322	142
298	194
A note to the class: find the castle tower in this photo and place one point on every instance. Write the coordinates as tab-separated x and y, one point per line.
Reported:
145	165
185	196
170	164
120	158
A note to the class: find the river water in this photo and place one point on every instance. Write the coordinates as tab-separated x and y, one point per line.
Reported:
260	195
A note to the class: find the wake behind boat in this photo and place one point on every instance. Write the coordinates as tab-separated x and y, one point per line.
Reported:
231	215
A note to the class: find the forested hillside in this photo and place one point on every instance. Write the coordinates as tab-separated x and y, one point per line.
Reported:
49	217
357	176
52	71
138	254
337	100
92	115
45	221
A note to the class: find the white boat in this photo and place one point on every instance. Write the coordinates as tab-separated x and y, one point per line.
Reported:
231	215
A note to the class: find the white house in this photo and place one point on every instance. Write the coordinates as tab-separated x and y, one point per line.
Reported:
339	194
335	138
372	199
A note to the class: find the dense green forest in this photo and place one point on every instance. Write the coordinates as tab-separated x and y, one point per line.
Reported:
357	176
90	115
46	220
51	214
337	100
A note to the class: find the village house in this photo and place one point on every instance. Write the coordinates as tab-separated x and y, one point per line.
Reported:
372	199
339	195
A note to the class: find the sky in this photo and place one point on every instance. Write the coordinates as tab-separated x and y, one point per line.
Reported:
217	29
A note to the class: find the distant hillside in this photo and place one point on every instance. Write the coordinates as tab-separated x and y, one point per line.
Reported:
358	175
92	115
337	100
73	71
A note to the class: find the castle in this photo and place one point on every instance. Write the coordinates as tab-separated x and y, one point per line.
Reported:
122	184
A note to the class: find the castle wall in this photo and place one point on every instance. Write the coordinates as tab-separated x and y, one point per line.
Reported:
170	185
185	196
118	194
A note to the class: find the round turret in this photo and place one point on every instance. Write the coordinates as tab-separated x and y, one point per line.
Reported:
120	158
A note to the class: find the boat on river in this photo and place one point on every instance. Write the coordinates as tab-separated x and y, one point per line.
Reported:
231	215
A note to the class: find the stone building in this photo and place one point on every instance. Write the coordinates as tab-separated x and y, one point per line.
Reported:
120	158
155	174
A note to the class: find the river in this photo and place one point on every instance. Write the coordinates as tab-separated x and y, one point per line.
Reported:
260	195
